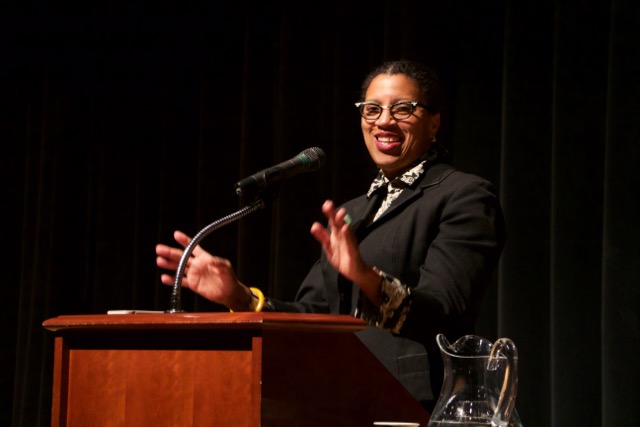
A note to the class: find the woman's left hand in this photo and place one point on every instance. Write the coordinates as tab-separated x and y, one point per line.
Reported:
340	244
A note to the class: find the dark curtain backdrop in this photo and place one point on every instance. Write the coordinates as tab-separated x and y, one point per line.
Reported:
123	121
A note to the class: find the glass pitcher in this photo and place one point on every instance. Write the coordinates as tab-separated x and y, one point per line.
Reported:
480	384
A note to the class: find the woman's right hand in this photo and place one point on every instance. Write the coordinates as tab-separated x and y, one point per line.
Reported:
209	276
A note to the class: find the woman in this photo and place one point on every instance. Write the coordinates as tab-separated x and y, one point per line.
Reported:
413	256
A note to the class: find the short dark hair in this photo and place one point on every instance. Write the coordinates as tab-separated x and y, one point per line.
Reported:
426	79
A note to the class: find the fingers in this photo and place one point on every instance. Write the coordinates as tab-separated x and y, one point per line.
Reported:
171	254
181	238
167	279
169	257
168	252
328	208
340	219
184	241
166	264
336	219
320	233
338	222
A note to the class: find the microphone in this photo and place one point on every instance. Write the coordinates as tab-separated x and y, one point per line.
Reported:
309	160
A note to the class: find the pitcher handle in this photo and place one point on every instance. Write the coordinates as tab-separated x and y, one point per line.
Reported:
507	400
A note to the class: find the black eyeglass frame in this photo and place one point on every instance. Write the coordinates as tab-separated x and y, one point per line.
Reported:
413	105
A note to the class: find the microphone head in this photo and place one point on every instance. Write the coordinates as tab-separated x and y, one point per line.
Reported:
315	157
309	160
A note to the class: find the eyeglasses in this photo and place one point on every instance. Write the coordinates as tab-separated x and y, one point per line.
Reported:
399	110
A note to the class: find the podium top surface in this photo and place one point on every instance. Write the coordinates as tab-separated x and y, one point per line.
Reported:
206	321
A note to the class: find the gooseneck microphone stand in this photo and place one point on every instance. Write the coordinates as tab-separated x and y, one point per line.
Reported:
176	302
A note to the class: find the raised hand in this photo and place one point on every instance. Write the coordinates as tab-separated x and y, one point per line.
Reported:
209	276
341	248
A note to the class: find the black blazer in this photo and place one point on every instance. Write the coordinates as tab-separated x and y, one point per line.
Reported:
443	238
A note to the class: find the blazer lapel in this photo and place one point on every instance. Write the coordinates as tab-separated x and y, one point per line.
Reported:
363	211
432	176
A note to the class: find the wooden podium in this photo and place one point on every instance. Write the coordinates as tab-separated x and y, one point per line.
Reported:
220	369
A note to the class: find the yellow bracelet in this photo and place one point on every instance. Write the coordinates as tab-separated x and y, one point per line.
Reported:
257	293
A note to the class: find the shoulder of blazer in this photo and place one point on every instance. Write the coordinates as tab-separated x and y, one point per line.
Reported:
437	173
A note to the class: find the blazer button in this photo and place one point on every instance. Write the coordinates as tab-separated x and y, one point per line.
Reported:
341	296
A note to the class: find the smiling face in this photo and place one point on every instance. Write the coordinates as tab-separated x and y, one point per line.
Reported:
395	144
